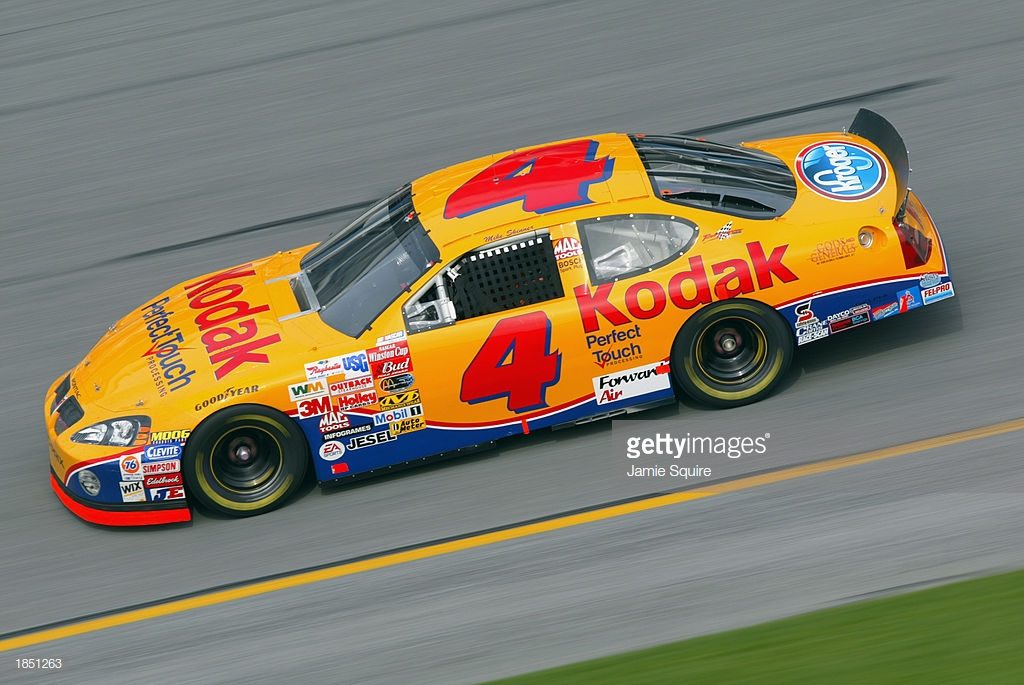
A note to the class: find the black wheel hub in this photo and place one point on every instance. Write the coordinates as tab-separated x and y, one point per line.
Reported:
245	460
731	350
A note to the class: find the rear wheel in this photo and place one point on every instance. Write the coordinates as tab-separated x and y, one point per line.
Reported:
245	460
732	353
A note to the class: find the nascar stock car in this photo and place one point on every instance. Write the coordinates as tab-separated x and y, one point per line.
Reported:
537	288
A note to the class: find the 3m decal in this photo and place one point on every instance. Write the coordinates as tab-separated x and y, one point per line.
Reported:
221	303
841	170
515	362
543	179
315	406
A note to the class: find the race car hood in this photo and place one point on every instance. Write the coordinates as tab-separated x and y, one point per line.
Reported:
220	330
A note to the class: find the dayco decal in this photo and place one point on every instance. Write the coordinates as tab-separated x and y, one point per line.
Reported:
632	382
617	347
832	250
735	279
221	303
403	399
849	318
166	366
227	394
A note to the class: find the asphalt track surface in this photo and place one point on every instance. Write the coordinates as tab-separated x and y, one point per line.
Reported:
143	143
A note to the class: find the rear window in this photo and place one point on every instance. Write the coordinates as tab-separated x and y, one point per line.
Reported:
721	178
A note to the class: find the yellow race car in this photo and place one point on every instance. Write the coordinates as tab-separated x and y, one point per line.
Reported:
532	289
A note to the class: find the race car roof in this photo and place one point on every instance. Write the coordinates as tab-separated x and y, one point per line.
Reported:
485	194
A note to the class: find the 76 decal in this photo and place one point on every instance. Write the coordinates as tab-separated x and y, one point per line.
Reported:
515	362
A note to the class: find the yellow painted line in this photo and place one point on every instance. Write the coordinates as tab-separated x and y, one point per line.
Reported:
428	551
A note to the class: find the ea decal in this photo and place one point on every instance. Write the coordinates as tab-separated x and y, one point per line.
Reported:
332	450
841	170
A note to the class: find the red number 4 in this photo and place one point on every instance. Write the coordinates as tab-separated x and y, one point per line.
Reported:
543	178
516	362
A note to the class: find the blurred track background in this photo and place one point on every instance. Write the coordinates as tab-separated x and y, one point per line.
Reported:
132	135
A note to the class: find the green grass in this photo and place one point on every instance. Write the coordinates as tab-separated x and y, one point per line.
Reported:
968	632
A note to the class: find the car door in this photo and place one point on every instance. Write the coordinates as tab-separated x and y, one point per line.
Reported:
496	340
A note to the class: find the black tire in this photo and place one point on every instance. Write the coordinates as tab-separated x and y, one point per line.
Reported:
223	477
712	374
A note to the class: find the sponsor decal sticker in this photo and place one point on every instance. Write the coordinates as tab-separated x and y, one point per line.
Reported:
615	348
169	436
885	311
153	468
166	366
629	383
393	351
834	250
348	366
316	406
391	337
339	468
686	289
724	233
131	467
909	299
162	480
226	395
370	440
302	391
355	400
333	421
396	383
159	452
343	387
132	491
841	170
568	253
850	318
391	367
332	450
938	292
929	280
228	328
391	415
403	399
164	494
354	430
408	425
808	327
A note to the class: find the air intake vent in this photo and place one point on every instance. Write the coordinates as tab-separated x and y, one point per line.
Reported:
68	414
60	392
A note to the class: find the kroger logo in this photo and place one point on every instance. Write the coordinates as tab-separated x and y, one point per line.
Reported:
841	171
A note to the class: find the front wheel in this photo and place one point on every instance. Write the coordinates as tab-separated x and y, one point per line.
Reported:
732	353
245	460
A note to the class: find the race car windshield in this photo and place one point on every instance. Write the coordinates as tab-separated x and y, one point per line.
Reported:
361	270
732	180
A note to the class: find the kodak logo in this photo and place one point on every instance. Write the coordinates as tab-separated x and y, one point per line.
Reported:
685	289
227	322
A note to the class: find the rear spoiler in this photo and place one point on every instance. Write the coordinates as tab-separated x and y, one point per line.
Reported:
878	130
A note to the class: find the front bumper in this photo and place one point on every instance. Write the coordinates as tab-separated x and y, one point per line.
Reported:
119	514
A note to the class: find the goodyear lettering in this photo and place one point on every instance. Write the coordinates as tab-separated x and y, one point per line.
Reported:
227	321
226	395
686	289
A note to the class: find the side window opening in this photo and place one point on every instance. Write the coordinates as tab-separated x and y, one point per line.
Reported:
509	275
620	246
